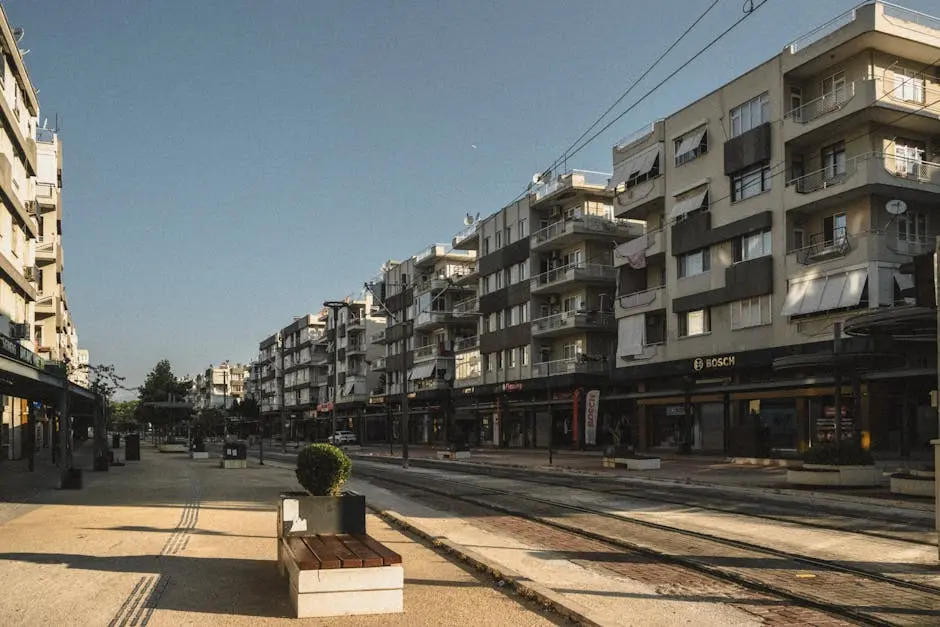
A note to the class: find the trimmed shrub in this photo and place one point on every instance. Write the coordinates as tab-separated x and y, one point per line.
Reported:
322	469
845	453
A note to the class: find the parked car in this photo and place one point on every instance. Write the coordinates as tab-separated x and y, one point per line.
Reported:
342	437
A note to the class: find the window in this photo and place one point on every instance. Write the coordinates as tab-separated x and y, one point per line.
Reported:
833	160
750	115
908	85
523	228
488	362
691	145
796	103
524	355
499	320
523	271
499	360
694	263
499	240
751	246
912	232
486	245
508	235
572	303
697	322
524	313
751	312
571	351
832	89
513	358
514	316
498	280
799	239
909	158
750	183
513	274
834	229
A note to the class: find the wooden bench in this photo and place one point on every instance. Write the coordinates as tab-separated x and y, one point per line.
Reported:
342	574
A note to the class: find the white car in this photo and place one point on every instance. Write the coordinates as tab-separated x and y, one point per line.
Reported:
342	437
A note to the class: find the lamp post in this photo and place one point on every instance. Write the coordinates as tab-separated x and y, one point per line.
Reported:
335	306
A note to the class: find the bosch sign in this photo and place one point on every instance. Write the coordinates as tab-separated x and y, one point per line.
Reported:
709	363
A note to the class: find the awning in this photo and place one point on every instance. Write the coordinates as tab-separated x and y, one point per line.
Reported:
691	202
638	165
350	386
826	293
421	371
634	251
691	141
905	281
630	335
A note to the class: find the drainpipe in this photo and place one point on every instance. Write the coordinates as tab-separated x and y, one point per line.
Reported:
936	443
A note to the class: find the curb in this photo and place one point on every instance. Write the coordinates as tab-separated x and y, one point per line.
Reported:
525	587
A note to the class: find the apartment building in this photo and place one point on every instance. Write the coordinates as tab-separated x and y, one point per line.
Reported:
352	378
432	318
305	359
219	387
783	203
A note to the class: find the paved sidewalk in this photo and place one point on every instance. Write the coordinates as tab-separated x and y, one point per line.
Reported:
173	541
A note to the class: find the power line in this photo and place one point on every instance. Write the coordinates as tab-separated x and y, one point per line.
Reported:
636	82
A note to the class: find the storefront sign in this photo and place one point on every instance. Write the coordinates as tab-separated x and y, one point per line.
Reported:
711	363
512	387
591	401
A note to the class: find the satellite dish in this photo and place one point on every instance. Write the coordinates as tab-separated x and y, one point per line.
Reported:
18	34
468	220
536	178
895	207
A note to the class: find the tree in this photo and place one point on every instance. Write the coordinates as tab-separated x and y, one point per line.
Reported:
124	414
161	386
104	383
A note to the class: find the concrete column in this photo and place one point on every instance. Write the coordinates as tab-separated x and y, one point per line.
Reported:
802	423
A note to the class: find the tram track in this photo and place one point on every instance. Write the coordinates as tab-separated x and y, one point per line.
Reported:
908	533
859	594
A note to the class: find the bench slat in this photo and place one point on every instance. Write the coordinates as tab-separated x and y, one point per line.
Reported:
389	557
326	556
302	554
370	559
347	558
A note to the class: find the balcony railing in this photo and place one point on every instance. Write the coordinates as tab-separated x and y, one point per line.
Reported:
641	298
426	351
380	363
569	319
356	347
825	104
467	306
467	343
644	131
825	246
595	223
574	178
354	323
580	364
899	166
467	233
578	270
378	338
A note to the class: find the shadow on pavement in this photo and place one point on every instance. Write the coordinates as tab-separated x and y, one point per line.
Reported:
197	531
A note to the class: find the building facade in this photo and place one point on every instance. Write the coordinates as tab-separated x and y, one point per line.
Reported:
778	207
219	387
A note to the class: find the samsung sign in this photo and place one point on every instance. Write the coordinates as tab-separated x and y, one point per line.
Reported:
711	363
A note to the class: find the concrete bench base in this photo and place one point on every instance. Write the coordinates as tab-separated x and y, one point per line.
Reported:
342	591
633	463
836	476
453	455
199	455
913	485
174	448
234	463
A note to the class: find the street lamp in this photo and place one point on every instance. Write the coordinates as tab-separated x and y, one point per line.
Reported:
335	306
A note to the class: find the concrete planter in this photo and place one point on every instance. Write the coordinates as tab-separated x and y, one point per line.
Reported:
832	475
234	463
453	454
633	463
914	483
199	455
300	514
173	448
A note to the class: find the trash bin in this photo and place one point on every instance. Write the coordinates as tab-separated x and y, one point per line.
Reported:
235	450
115	440
132	447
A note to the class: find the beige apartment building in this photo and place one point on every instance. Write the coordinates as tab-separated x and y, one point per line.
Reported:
778	206
30	184
220	386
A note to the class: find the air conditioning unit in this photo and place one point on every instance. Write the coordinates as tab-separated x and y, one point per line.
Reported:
31	273
19	330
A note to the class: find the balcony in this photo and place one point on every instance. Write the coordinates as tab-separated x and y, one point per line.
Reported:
356	323
572	365
828	252
431	351
467	343
578	272
467	308
423	385
45	305
377	338
575	179
566	232
47	248
428	320
567	321
879	98
437	252
863	174
467	238
650	299
356	348
380	364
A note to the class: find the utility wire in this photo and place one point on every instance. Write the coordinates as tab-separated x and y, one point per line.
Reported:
636	82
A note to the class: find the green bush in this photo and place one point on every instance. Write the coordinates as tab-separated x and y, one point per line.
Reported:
322	469
845	453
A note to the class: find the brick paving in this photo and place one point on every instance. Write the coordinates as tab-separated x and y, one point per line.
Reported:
669	580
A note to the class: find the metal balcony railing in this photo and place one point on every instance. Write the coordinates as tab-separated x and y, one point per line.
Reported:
824	246
644	131
574	178
825	104
599	224
425	351
377	338
580	364
467	306
899	166
467	343
467	233
641	298
574	271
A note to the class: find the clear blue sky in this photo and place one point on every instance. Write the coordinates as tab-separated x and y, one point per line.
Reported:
231	164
